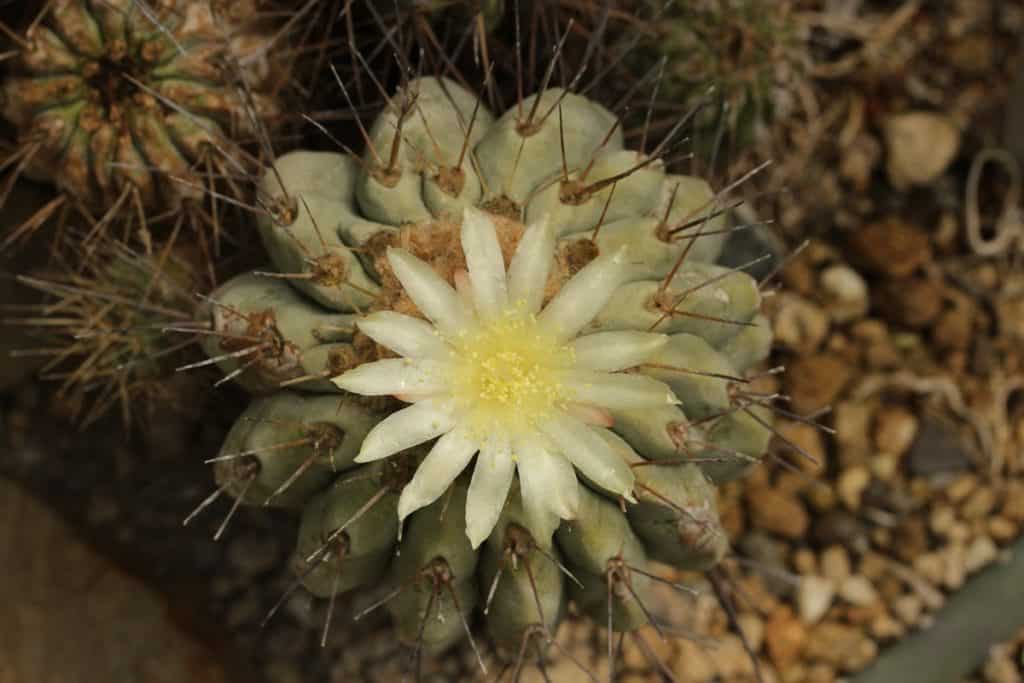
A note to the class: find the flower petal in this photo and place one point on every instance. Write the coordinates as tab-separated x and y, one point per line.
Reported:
531	264
395	376
585	294
618	391
406	428
547	487
591	455
432	295
614	351
485	263
405	335
492	477
443	463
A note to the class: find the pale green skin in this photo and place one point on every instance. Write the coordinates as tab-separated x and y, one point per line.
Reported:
337	204
369	540
282	418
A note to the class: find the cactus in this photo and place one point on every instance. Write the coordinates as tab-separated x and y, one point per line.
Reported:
114	324
521	291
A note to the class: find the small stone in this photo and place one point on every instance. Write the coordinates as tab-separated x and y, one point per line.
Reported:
919	146
954	329
911	301
814	382
814	597
1002	529
753	630
858	591
911	538
820	673
942	519
892	247
1000	667
835	563
1013	502
955	559
936	449
979	504
962	487
731	658
784	637
895	429
844	647
770	553
908	608
885	627
840	527
930	566
808	438
980	553
799	324
693	662
805	562
884	467
846	293
778	513
872	566
851	486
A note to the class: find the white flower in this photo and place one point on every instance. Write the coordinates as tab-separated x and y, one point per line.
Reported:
496	376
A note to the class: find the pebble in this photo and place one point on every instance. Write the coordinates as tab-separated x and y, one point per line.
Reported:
1002	529
961	487
851	485
892	247
808	438
846	293
908	608
835	563
955	560
895	429
840	527
785	636
778	513
857	590
936	449
885	627
979	504
942	519
919	146
770	553
1013	502
845	647
911	301
799	324
930	566
980	553
731	658
814	597
814	382
753	630
692	662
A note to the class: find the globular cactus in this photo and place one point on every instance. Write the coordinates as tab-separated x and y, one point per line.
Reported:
113	99
522	290
114	324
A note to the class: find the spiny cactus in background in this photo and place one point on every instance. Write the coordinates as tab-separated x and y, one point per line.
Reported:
128	106
529	292
115	324
737	54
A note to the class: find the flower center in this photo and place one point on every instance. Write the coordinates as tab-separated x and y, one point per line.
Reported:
508	373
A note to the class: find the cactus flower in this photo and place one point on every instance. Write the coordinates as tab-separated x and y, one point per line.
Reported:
496	375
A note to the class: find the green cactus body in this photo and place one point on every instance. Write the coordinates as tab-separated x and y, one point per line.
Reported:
523	327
